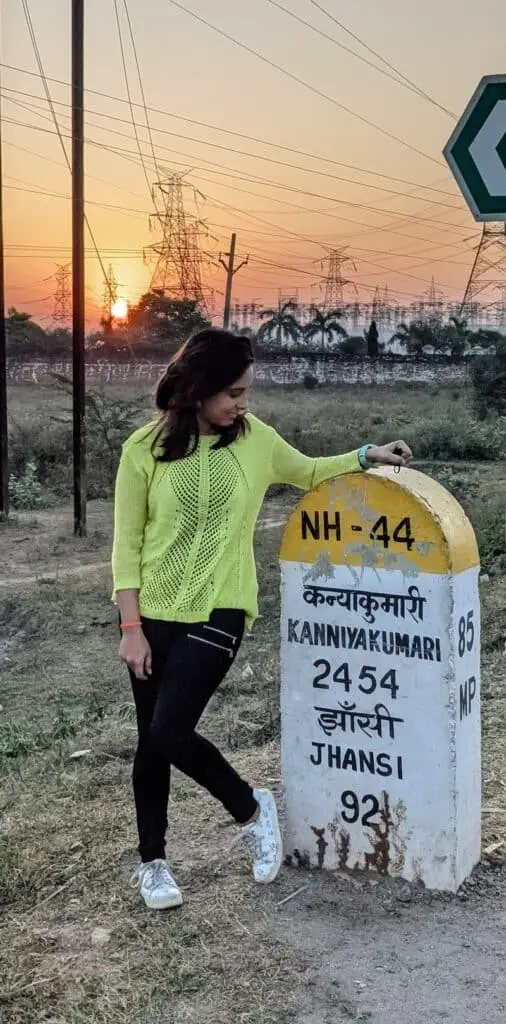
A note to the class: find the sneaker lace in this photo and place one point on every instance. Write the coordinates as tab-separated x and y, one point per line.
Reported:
157	873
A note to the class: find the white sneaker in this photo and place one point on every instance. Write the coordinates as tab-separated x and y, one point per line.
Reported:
157	886
263	838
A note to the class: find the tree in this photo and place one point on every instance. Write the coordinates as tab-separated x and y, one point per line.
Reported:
24	337
324	326
157	318
353	346
488	377
420	335
59	342
280	323
457	338
485	338
372	339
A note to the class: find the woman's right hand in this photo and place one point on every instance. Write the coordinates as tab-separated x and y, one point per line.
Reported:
134	651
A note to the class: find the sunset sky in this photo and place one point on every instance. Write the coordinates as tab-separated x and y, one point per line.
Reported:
391	202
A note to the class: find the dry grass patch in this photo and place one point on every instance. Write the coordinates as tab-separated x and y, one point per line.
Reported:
79	945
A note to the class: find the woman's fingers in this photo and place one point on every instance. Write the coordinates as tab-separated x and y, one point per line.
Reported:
396	453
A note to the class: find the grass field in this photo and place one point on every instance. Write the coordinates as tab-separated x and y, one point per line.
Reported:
77	946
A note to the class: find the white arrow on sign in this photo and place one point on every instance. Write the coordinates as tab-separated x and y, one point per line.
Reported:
484	151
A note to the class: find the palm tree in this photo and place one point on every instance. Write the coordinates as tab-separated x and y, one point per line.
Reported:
325	326
280	323
456	337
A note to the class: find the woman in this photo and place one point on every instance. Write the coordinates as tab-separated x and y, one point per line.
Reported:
188	493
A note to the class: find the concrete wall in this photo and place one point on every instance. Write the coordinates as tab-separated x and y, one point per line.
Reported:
284	371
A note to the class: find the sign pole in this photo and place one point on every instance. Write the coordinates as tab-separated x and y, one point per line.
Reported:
4	453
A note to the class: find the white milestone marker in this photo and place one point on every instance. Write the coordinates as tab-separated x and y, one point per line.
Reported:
380	694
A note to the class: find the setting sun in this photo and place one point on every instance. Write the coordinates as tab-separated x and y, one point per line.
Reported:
120	309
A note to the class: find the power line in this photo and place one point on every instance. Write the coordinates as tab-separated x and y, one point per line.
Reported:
404	82
228	131
141	86
300	81
307	273
126	252
255	156
36	51
387	268
244	213
127	86
333	199
62	195
287	231
387	63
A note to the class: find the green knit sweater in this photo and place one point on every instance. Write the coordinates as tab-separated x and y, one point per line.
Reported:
183	532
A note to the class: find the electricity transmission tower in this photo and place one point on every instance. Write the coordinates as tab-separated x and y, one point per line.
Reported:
431	306
62	309
109	298
334	282
381	310
110	295
177	272
488	274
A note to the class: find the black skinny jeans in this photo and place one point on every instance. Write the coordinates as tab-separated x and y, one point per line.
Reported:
189	663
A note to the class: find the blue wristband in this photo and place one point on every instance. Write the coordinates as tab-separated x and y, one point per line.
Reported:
362	455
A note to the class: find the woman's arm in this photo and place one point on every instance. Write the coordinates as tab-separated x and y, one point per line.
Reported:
130	515
128	605
134	649
290	466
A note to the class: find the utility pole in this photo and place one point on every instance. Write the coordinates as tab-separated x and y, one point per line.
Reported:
231	272
78	284
4	452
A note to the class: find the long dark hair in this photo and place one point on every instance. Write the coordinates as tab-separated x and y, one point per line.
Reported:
209	362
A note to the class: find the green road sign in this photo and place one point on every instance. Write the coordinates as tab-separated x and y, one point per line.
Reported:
476	151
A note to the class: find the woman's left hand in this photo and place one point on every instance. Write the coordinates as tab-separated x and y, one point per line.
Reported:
396	453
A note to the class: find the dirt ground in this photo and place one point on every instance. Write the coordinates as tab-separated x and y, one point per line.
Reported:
77	945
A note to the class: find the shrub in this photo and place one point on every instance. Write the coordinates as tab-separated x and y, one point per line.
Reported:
456	438
488	378
25	491
485	511
109	421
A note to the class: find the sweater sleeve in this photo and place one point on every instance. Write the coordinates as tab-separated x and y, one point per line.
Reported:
130	515
289	466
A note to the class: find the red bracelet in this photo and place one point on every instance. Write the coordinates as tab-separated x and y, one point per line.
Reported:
130	625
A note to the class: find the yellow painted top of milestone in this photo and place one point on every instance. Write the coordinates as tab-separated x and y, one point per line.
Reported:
382	519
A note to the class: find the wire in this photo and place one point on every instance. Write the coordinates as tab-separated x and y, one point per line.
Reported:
141	86
36	51
229	131
91	202
256	156
389	269
307	273
300	81
58	163
333	199
127	86
404	82
387	63
292	234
